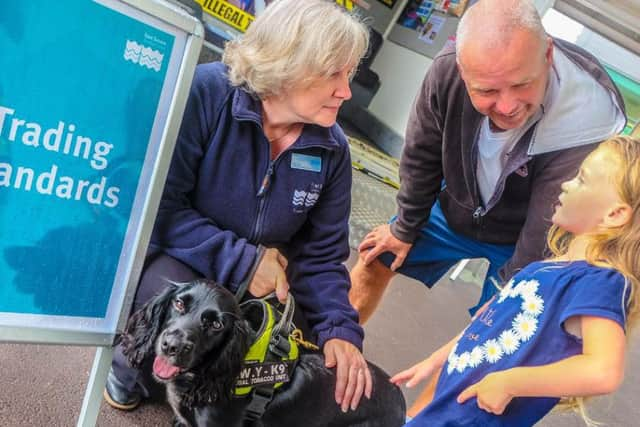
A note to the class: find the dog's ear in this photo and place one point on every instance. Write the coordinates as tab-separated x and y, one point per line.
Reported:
219	376
144	326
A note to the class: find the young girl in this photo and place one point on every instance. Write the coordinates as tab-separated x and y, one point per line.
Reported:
557	328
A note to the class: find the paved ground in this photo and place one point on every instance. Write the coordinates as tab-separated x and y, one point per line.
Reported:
44	385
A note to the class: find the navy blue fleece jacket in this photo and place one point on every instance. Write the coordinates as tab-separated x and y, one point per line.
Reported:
225	200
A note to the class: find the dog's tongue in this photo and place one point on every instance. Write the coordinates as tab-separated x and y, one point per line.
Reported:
163	369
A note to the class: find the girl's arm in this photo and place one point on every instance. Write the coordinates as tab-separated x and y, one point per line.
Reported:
598	370
423	370
432	364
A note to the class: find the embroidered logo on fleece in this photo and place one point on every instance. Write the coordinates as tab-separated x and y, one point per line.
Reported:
304	200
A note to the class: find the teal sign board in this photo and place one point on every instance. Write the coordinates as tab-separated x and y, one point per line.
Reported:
79	93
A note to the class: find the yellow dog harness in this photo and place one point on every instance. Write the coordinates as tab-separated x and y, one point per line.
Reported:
271	359
272	356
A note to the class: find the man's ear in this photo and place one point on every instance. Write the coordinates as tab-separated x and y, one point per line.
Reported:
549	51
618	216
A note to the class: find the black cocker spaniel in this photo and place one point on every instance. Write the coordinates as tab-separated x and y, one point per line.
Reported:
199	337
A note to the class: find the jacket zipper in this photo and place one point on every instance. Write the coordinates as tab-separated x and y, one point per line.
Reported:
264	187
478	212
266	181
477	216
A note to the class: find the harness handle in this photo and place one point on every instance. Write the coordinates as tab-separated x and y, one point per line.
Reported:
284	325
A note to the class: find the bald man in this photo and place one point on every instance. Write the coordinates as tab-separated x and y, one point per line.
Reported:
501	120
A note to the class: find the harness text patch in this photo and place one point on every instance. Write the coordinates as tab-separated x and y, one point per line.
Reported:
253	374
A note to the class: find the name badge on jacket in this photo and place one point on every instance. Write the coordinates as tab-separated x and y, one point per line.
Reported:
305	162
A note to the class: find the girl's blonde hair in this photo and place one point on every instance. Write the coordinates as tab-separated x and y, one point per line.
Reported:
617	247
294	42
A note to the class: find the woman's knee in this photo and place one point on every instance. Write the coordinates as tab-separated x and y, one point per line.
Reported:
160	270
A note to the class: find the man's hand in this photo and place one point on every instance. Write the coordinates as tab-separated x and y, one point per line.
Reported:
381	240
490	392
416	374
270	275
353	376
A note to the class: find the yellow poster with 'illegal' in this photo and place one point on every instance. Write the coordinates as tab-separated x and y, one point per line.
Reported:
228	13
240	17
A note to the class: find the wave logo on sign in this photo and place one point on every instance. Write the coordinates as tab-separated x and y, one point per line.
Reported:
143	55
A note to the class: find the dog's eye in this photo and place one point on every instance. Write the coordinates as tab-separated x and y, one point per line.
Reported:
216	325
178	305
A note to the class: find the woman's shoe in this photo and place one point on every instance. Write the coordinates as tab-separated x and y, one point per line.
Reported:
117	396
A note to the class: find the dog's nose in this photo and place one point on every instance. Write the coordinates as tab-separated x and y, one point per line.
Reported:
172	343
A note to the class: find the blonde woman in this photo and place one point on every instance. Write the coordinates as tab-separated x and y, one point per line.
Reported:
558	327
258	193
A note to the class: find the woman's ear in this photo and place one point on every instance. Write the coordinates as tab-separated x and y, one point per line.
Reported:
619	215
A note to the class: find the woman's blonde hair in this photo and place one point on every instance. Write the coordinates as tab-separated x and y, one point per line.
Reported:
294	42
617	247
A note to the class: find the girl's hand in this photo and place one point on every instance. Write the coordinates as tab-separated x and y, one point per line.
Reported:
491	393
415	374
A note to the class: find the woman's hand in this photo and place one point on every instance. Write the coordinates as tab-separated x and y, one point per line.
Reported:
353	376
490	392
417	373
381	240
270	275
